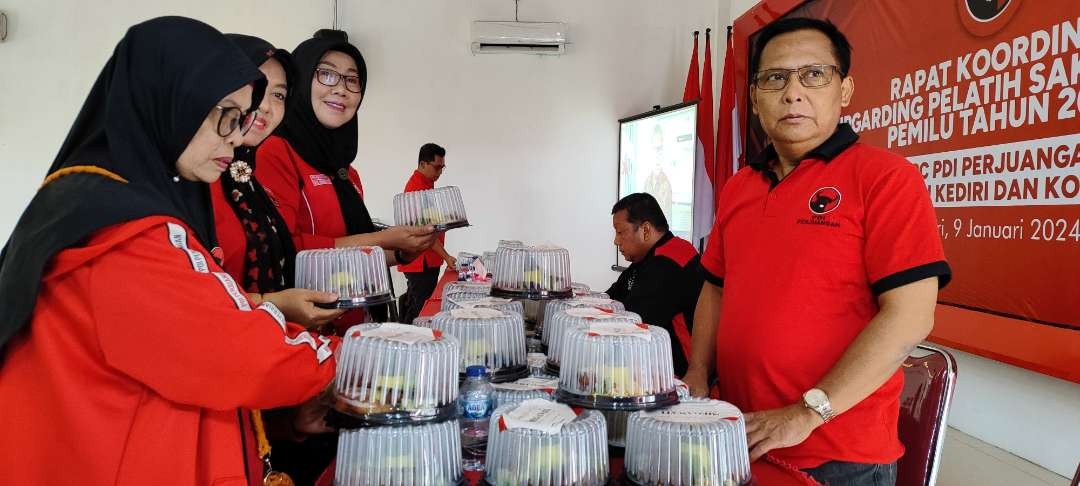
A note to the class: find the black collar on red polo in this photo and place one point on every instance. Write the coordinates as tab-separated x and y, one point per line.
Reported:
652	251
836	144
663	239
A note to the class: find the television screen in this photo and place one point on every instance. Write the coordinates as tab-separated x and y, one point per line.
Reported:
656	155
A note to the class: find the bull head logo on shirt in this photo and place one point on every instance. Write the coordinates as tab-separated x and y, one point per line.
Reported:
825	200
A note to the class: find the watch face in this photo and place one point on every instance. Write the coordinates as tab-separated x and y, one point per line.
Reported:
815	397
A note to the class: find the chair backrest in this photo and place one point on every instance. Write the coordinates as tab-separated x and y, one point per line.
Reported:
929	381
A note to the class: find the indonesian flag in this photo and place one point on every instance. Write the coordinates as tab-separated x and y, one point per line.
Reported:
728	147
705	182
692	91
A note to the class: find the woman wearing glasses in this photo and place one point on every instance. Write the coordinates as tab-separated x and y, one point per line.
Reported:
305	166
258	252
257	249
127	354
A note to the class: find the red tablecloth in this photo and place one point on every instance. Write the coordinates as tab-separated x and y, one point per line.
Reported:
764	472
432	306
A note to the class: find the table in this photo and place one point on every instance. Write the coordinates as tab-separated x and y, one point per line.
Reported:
765	472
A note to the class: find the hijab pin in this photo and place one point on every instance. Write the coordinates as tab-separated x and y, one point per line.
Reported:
343	174
240	171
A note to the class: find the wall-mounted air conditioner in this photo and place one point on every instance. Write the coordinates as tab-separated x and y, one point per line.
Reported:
520	37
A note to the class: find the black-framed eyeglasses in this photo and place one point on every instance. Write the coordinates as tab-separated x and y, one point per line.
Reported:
233	118
329	77
811	76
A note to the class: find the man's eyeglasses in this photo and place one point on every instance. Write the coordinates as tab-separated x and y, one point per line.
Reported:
811	76
233	118
329	77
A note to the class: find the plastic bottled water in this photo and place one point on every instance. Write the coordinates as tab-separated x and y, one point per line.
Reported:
475	403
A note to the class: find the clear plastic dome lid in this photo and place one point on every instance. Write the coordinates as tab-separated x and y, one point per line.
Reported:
524	389
555	306
471	301
487	337
616	366
473	288
565	449
535	272
697	442
441	207
392	373
358	275
411	455
580	316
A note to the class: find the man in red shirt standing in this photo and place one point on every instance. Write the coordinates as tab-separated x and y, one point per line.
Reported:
822	272
423	272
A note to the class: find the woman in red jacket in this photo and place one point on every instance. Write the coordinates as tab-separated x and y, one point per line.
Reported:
305	166
258	252
257	249
127	353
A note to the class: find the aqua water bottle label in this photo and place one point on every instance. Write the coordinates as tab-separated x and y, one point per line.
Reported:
476	409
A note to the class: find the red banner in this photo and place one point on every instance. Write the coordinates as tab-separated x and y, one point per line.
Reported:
982	95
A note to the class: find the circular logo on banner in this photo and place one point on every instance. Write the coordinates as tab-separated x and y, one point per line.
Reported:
825	200
986	17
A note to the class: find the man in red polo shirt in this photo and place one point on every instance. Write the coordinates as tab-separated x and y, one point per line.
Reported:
422	273
822	272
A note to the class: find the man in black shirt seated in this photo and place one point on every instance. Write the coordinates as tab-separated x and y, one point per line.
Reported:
664	278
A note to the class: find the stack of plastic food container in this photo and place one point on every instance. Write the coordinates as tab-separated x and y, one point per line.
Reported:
578	317
488	337
697	442
541	443
395	393
441	207
357	275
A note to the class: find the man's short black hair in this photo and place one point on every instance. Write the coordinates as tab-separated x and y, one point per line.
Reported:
429	151
841	46
641	207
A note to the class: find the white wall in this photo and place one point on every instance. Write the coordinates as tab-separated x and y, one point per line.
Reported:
531	140
1028	414
1034	416
56	48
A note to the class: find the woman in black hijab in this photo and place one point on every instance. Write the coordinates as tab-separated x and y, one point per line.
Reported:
306	164
127	353
257	249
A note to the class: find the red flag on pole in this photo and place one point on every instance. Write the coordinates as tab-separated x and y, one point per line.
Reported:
704	113
692	91
728	148
705	155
